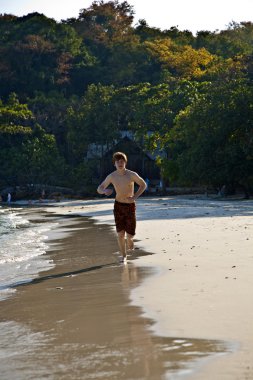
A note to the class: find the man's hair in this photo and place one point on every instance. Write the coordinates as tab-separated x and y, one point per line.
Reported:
118	156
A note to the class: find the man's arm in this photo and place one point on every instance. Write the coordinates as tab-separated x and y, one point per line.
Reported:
102	188
142	186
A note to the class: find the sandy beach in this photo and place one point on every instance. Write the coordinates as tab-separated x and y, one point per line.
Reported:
202	283
181	308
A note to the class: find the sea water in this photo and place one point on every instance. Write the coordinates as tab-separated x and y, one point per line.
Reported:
22	249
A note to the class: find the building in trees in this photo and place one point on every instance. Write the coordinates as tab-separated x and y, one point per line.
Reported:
139	160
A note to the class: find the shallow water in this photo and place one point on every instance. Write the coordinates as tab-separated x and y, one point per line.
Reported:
22	248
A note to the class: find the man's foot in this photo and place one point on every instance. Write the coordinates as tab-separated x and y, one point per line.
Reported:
123	259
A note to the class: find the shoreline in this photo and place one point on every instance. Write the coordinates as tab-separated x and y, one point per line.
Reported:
203	248
79	312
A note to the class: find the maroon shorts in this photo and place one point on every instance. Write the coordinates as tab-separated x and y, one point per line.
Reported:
125	217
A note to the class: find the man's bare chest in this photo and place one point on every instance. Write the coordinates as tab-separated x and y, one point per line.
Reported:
123	182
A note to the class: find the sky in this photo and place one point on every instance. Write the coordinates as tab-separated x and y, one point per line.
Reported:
193	15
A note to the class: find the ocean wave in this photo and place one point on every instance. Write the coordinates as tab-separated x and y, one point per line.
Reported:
22	249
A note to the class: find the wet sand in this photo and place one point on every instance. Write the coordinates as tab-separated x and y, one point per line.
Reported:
202	284
76	320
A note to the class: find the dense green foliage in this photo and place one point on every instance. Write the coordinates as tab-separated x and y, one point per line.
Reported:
65	85
28	154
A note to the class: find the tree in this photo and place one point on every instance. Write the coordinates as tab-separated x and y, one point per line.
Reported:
38	54
236	40
213	137
15	120
180	61
104	23
106	28
27	153
50	111
92	121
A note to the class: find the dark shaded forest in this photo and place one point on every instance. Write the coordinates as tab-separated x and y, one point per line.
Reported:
65	85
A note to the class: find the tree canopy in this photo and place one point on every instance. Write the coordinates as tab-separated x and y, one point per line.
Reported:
65	85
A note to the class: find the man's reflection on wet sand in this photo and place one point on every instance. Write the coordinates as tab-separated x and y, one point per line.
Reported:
157	356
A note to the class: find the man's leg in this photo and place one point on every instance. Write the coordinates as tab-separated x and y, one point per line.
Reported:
130	242
131	226
122	243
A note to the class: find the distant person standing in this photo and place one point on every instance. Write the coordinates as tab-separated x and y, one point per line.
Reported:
123	181
42	195
9	198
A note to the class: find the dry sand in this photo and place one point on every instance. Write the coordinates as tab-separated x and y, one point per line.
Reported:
202	283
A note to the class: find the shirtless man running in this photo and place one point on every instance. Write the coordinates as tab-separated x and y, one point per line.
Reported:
123	181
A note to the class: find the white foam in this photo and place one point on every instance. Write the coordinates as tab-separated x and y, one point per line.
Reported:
22	246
